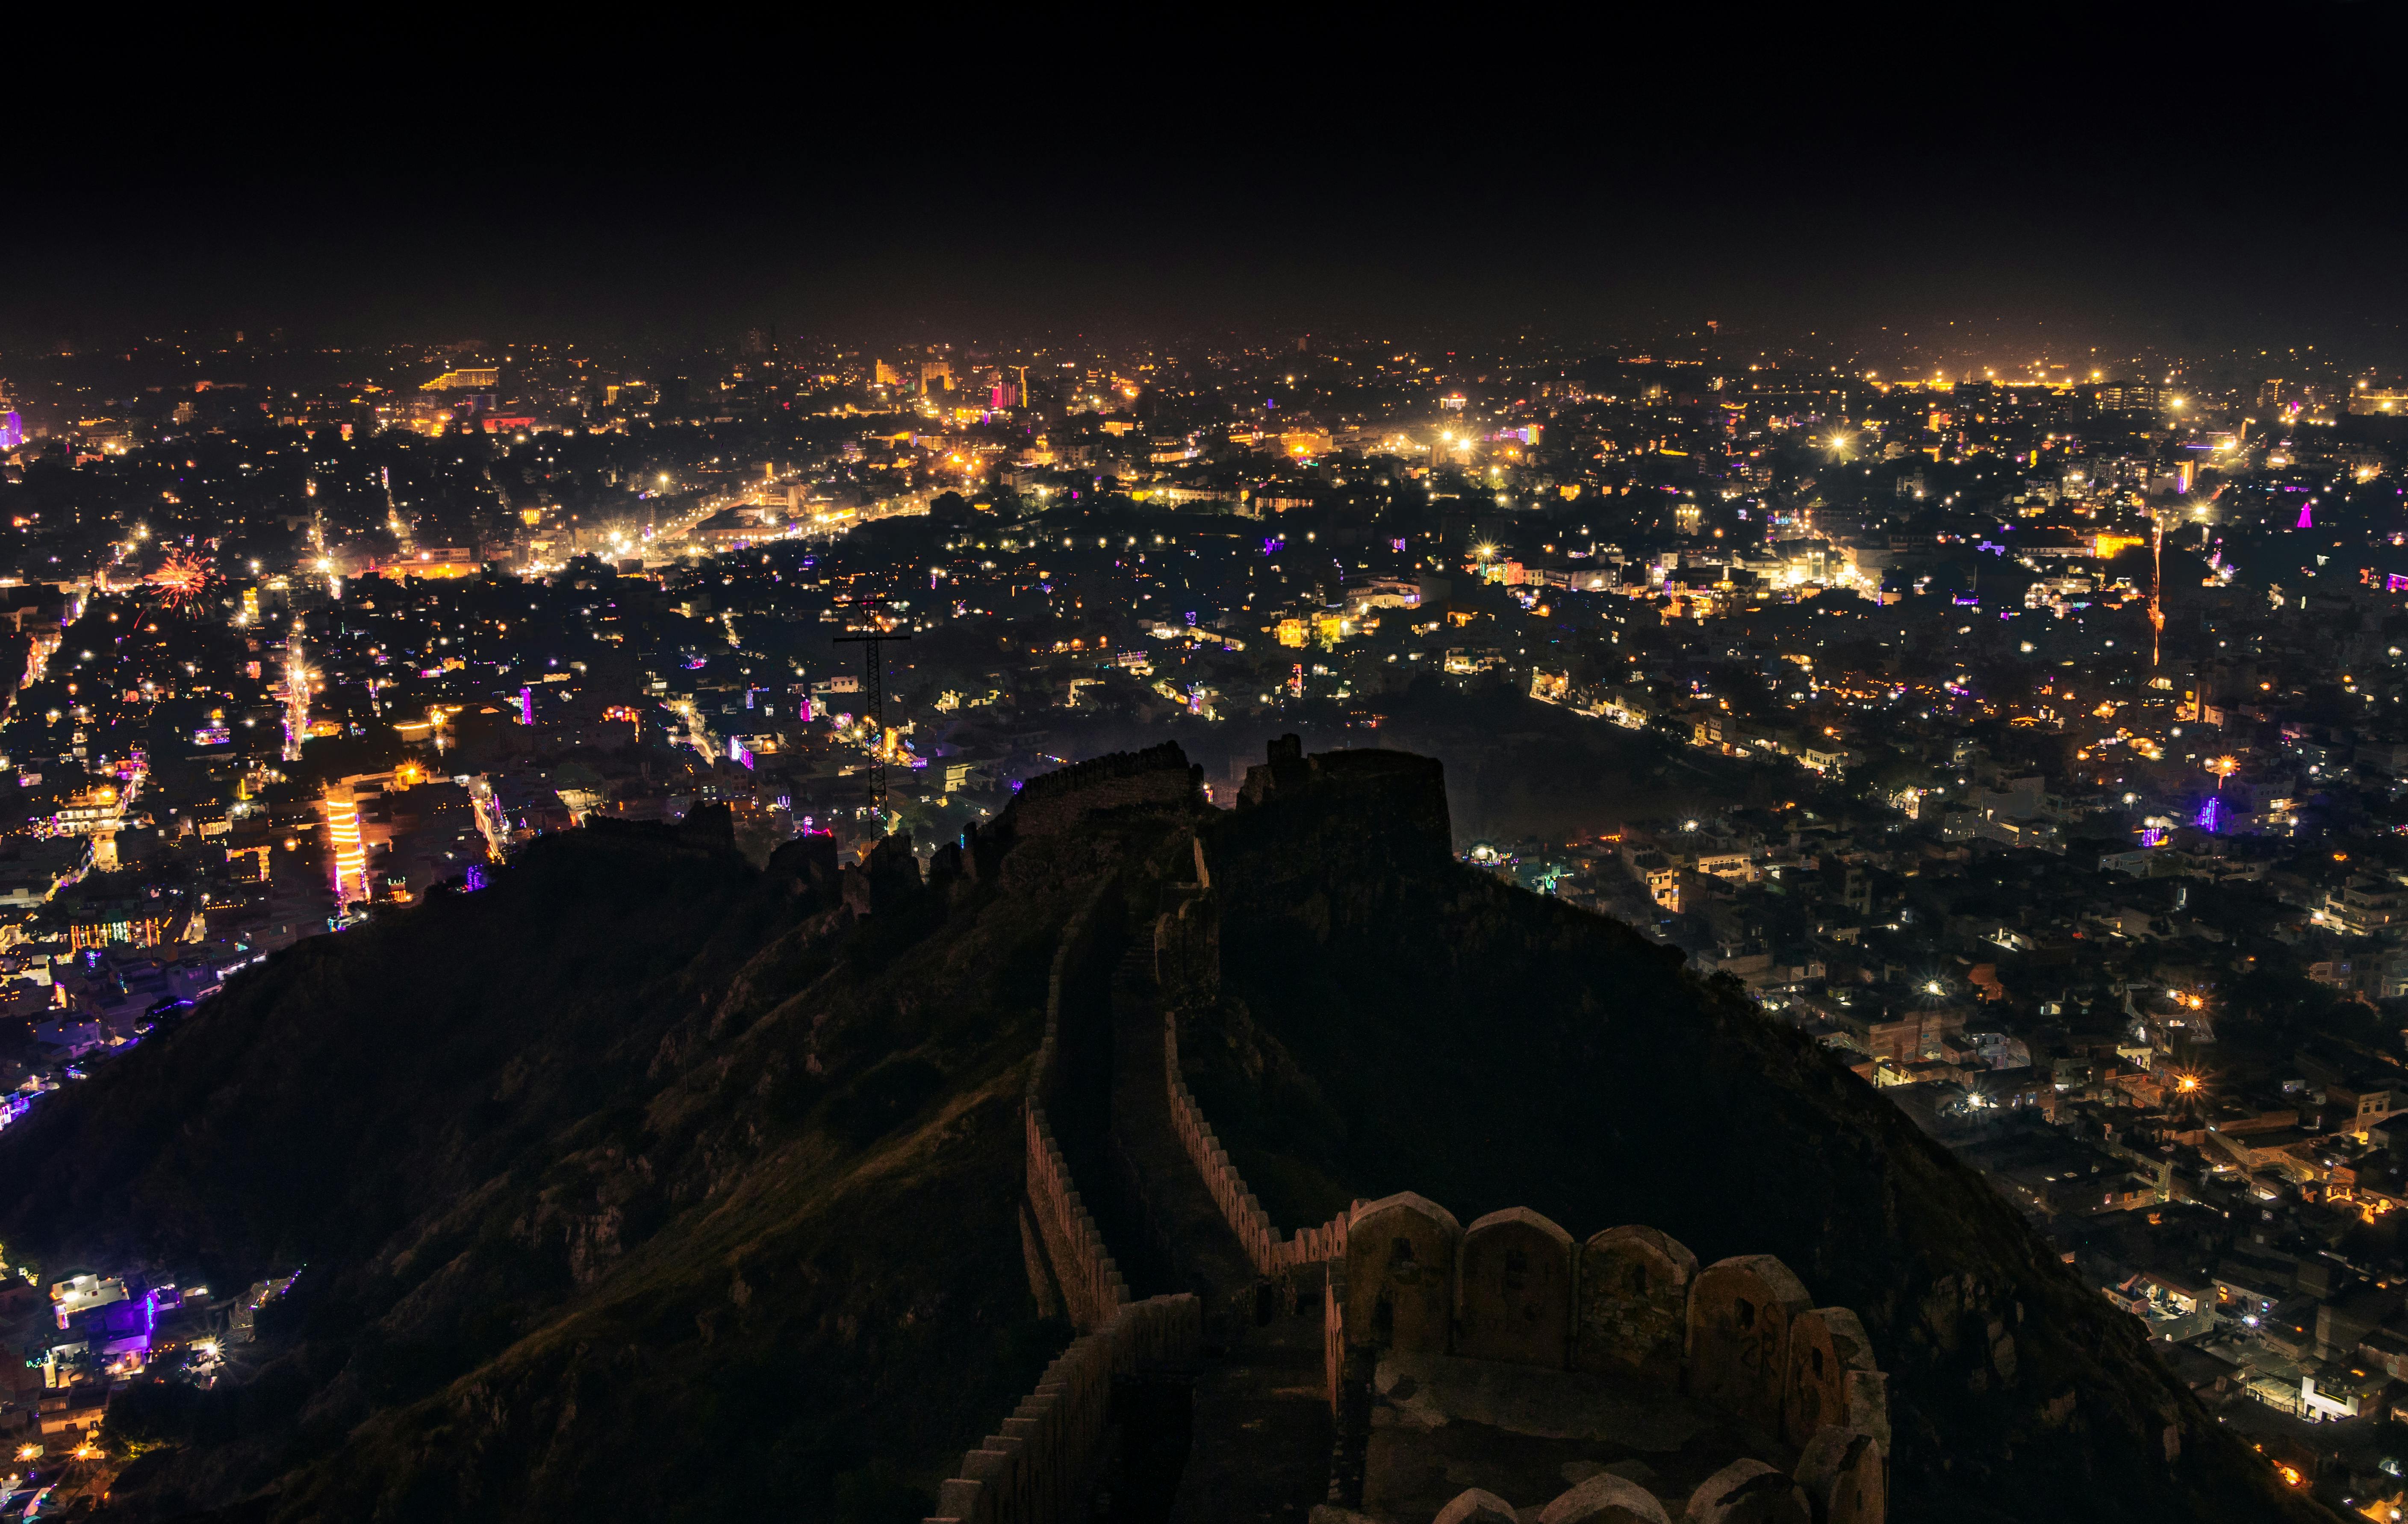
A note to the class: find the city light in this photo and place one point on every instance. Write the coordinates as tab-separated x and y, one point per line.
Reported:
810	700
351	859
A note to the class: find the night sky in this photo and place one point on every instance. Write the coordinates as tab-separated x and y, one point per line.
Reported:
2043	178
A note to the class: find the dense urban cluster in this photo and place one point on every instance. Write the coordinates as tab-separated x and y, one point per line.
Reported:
2035	738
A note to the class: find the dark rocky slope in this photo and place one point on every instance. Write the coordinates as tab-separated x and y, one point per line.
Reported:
641	1184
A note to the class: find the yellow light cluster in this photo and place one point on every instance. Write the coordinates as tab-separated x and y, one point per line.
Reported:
350	857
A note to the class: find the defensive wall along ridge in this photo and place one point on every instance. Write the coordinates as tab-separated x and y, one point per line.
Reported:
1404	1282
1402	1277
1093	1289
1512	1300
1040	1467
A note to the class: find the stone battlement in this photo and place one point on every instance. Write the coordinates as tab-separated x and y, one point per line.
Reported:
1042	1467
1408	1286
1391	793
1742	1492
1510	1328
1158	776
1740	1338
1272	1254
1093	1289
1373	821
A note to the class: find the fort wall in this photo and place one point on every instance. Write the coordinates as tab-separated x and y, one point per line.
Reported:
1402	1277
1740	1336
1272	1253
1157	776
1093	1289
1040	1468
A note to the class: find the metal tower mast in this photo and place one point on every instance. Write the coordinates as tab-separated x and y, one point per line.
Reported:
873	692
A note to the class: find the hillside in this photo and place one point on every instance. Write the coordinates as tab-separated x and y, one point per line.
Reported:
647	1184
639	1183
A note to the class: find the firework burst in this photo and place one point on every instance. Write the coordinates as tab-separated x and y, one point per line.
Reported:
180	578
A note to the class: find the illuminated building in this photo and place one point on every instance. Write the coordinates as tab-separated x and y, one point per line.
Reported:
141	931
90	812
448	563
475	379
343	832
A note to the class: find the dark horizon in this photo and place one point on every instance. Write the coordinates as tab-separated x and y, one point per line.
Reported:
2155	186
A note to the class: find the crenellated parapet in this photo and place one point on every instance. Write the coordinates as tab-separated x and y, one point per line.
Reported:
1041	1466
1040	1469
1740	1338
1159	776
1511	1333
1188	938
1742	1492
1272	1253
1093	1289
1630	1304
